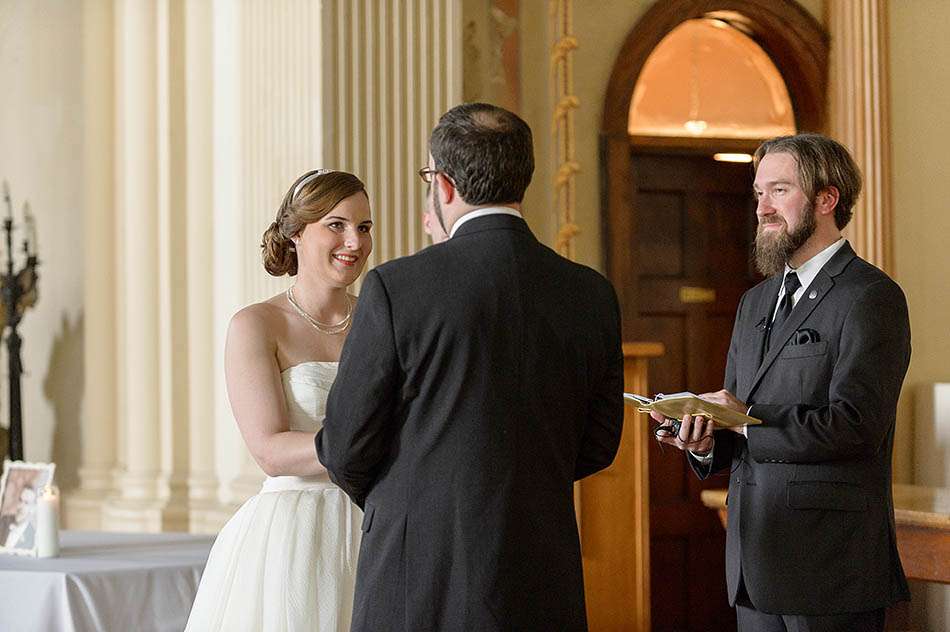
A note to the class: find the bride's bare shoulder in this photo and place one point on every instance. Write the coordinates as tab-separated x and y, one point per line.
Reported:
266	316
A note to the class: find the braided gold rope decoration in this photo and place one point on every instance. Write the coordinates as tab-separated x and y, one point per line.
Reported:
566	102
565	173
561	49
562	128
564	236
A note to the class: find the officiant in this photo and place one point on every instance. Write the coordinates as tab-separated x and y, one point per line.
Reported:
818	353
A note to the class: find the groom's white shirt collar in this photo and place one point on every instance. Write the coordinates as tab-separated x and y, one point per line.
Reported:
482	212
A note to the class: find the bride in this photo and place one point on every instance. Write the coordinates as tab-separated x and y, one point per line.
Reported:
287	559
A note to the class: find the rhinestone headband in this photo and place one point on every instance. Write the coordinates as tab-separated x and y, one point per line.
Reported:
318	172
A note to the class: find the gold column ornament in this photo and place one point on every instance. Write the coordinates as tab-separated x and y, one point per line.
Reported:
566	102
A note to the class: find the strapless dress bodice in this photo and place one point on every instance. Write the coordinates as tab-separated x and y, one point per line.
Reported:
286	560
306	387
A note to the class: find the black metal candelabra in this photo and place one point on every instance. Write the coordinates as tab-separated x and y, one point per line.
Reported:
19	292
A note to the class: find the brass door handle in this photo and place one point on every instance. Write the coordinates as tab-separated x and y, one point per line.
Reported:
690	294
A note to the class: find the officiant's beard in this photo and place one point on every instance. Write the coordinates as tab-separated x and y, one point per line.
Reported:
774	248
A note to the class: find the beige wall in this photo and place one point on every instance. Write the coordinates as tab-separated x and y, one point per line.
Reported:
600	35
920	102
40	157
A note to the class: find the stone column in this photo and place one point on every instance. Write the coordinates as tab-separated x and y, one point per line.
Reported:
98	428
390	71
204	509
227	266
212	109
143	309
352	85
175	265
267	113
858	118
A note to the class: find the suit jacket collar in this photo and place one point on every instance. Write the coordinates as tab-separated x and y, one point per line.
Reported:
492	222
813	296
840	260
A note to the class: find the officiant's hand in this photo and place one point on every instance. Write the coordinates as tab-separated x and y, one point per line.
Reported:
727	399
695	433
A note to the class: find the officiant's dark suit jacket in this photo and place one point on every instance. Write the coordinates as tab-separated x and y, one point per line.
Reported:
481	378
811	517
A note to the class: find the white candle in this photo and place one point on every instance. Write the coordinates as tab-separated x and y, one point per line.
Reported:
47	522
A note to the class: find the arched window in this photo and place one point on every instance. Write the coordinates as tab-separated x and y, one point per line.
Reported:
707	78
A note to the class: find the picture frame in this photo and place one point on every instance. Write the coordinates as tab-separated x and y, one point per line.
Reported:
21	485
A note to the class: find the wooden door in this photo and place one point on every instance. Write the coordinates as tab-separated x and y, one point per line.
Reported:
693	220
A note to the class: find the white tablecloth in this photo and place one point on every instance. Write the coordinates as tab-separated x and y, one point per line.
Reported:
104	582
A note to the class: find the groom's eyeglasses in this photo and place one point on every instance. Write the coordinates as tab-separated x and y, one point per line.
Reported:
428	175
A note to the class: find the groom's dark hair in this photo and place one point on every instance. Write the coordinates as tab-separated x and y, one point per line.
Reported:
486	150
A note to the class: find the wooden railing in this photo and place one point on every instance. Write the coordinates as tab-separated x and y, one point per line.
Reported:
614	517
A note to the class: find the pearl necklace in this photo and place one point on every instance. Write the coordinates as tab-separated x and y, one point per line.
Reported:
324	328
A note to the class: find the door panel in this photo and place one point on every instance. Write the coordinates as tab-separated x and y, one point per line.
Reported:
692	224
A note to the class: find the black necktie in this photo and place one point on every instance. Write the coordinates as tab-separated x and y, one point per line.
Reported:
785	304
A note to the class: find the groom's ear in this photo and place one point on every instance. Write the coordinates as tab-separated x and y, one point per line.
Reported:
445	188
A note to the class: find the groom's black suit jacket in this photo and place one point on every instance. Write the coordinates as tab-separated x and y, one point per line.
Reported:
811	517
482	377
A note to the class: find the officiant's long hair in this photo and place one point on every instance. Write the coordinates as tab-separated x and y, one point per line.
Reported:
310	197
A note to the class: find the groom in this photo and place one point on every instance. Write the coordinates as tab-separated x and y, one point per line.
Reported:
482	377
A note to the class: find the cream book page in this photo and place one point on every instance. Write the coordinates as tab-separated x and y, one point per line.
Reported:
676	405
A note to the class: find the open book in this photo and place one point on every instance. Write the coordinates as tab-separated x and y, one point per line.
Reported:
678	404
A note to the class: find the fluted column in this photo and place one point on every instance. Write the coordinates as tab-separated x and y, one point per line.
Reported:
227	262
137	251
858	97
143	229
204	508
175	266
98	428
352	85
210	110
391	69
267	113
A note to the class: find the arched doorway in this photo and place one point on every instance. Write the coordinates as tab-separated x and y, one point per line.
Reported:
678	226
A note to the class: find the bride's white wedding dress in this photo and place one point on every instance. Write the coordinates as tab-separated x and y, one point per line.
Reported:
286	561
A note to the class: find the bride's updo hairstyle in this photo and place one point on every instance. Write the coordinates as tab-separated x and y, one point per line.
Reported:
313	195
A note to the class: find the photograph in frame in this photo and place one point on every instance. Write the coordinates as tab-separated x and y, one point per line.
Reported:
21	485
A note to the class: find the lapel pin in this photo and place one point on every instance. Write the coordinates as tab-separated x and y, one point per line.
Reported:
813	294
